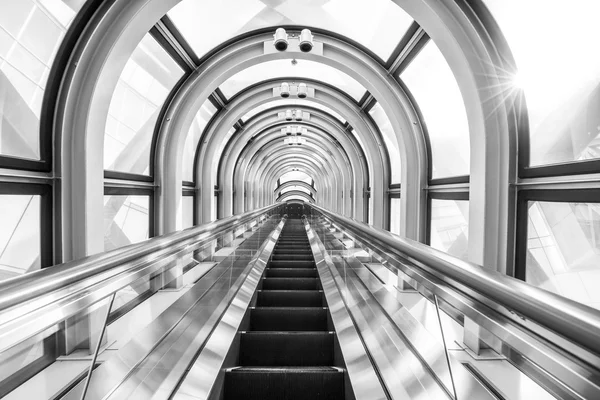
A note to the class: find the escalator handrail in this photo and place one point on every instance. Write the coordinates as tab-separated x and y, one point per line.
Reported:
24	288
575	321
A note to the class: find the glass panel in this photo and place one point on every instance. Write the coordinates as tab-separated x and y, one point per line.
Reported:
284	68
214	208
143	86
391	142
431	82
19	235
191	141
292	103
395	215
187	204
295	197
30	34
450	226
295	176
292	188
563	249
377	24
555	46
126	220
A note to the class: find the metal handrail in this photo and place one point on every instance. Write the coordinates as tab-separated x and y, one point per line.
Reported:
574	321
21	289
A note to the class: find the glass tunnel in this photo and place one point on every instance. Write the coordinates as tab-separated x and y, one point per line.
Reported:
325	199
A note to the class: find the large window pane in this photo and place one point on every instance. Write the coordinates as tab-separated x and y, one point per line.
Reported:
284	68
295	176
193	137
431	82
555	45
187	205
294	188
30	34
19	235
376	24
395	215
563	249
126	220
450	226
143	86
391	142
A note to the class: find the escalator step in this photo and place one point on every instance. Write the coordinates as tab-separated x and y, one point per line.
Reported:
299	383
291	264
288	319
289	298
290	284
293	256
280	349
291	272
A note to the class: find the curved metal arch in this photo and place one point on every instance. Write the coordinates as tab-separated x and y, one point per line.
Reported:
238	144
338	54
303	184
295	193
365	128
279	152
284	196
463	32
302	165
273	135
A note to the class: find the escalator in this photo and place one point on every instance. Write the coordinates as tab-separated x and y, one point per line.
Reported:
288	349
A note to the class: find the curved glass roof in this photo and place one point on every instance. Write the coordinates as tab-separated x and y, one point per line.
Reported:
376	24
284	68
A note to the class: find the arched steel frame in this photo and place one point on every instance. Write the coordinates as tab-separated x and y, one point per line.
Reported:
262	93
463	30
290	184
284	196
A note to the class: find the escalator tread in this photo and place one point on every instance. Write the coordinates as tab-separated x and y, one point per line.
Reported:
288	351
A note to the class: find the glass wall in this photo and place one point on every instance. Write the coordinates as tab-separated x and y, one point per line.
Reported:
395	215
187	205
126	220
563	249
20	232
284	68
30	35
193	137
147	79
558	66
377	24
449	229
295	176
390	139
431	81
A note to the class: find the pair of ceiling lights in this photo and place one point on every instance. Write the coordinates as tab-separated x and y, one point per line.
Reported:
281	41
294	130
294	140
302	90
291	115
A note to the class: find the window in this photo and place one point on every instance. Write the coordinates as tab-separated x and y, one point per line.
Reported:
143	86
395	215
449	229
304	69
295	176
391	142
20	233
377	24
126	219
563	249
555	46
431	82
193	137
187	205
30	35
